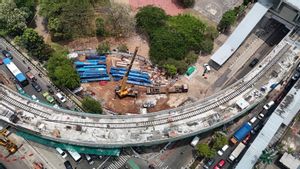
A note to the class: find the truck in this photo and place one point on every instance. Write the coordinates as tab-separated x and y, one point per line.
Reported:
239	135
166	90
236	152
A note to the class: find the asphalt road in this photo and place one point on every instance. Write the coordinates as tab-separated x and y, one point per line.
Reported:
23	65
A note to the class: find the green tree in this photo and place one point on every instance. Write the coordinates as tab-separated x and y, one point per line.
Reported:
100	27
121	22
91	105
34	44
207	46
62	72
28	6
150	18
205	151
191	58
122	48
219	140
186	3
12	19
228	19
170	69
103	48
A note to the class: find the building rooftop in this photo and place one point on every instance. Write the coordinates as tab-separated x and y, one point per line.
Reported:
290	161
239	34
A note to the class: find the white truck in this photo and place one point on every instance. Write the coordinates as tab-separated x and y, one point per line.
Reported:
236	152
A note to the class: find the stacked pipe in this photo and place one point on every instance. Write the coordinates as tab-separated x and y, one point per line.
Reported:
92	69
135	77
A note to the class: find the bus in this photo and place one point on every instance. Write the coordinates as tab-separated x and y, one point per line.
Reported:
76	156
16	72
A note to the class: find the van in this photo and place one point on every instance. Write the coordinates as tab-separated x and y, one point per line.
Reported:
195	141
224	148
252	121
76	156
89	159
269	105
61	152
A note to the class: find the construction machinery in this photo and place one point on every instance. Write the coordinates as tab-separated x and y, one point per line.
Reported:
124	89
167	90
7	143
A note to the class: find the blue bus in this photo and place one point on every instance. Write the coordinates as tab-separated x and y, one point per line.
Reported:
16	72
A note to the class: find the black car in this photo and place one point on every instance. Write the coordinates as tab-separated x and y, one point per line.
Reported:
36	86
7	54
296	76
209	163
68	165
254	62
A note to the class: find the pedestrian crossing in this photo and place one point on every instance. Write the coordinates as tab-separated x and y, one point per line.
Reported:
119	162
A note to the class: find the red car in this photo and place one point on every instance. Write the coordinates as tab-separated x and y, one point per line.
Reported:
216	167
246	139
1	61
221	163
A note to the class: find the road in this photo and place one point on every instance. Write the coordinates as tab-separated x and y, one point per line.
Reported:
25	65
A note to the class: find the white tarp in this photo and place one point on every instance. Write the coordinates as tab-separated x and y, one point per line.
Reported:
239	34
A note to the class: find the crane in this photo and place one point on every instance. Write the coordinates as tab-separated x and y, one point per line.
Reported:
123	89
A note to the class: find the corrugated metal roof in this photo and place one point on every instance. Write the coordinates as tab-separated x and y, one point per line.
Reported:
283	114
294	3
239	34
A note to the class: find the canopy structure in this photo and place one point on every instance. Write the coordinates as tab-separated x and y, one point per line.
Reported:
239	34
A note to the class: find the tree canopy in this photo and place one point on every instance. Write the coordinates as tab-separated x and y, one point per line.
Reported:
228	19
186	3
91	105
150	18
12	19
103	48
34	44
219	141
68	19
62	72
205	151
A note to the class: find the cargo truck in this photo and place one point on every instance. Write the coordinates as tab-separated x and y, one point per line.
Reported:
241	133
236	152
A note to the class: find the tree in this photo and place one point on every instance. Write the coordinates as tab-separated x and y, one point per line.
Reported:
27	6
100	27
121	22
205	151
219	141
122	48
62	72
91	105
34	44
103	48
170	69
12	19
228	19
150	18
186	3
207	45
191	58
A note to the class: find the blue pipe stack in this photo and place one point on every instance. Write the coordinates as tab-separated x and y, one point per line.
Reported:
92	69
135	77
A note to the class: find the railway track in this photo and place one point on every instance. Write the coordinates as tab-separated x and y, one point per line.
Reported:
155	119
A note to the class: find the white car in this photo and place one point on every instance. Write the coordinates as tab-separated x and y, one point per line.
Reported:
207	67
89	159
224	148
61	152
269	105
61	97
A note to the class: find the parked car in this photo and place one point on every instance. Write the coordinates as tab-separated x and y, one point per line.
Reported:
269	105
1	61
207	67
48	97
89	159
253	120
221	163
253	62
245	141
60	97
296	76
224	148
261	116
36	86
209	163
7	54
61	152
68	165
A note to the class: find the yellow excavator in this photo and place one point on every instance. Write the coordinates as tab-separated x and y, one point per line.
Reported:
124	89
7	143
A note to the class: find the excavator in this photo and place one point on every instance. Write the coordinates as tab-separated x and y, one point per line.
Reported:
7	143
124	89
